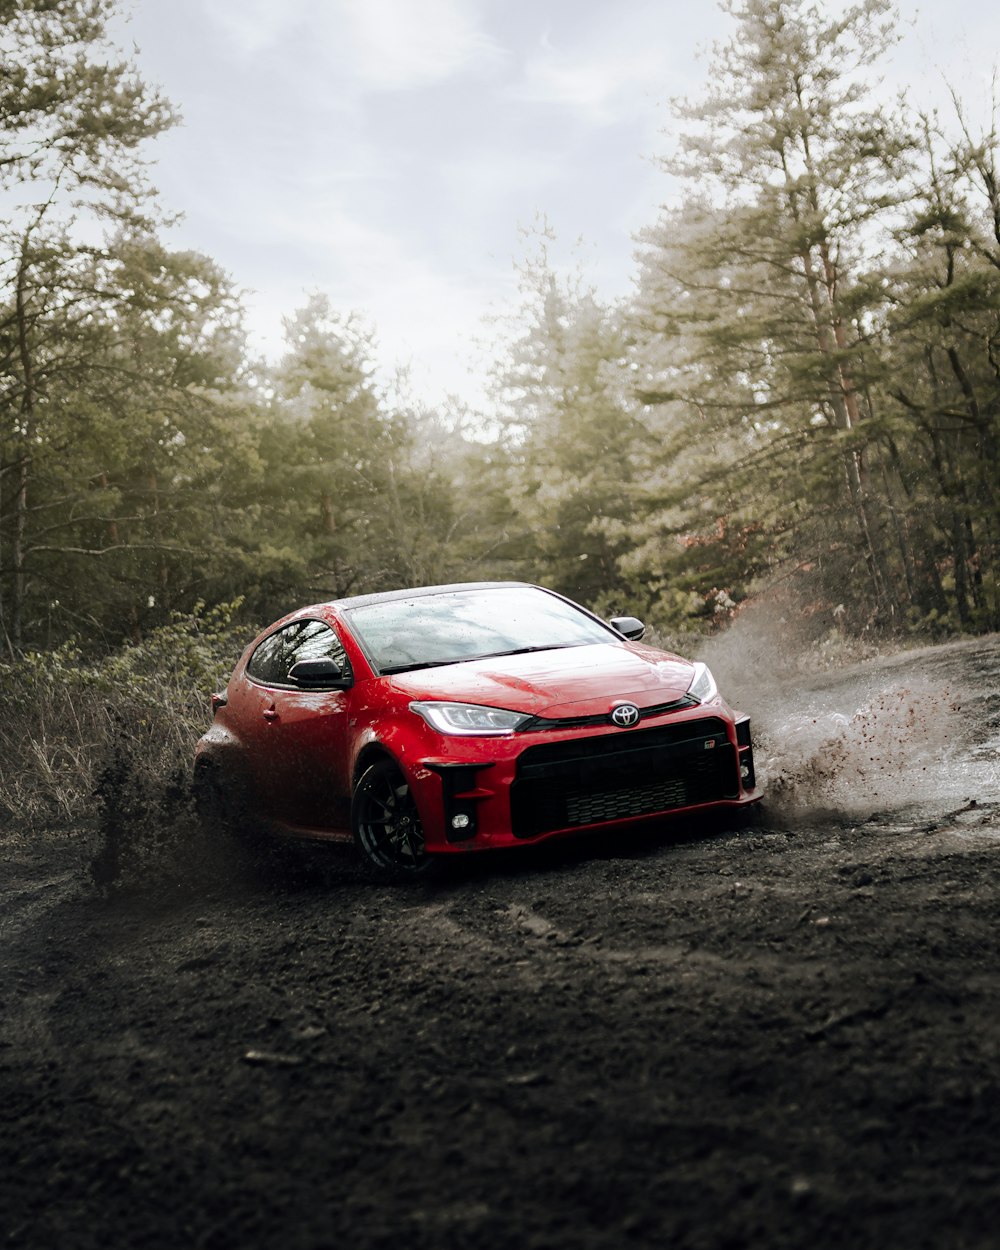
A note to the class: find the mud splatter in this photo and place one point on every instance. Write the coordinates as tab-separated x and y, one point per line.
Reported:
915	730
899	747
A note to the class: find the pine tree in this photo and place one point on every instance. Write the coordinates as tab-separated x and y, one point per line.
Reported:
754	304
575	443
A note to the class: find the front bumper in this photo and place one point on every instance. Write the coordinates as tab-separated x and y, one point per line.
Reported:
508	791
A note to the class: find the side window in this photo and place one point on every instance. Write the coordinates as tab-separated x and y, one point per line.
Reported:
302	640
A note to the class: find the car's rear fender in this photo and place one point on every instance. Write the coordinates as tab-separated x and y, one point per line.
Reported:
223	751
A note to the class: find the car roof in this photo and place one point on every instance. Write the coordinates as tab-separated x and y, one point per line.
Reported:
387	596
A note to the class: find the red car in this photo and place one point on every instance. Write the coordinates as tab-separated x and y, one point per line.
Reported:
448	719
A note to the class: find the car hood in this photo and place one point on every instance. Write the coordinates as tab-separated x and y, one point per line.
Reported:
571	681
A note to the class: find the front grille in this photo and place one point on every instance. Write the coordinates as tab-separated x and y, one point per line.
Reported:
602	718
588	809
570	784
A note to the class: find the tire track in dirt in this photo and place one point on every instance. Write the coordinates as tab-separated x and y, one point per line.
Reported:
29	986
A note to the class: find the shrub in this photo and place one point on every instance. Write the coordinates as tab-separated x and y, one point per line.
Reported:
107	742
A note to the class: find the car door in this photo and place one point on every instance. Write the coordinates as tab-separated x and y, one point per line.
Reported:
297	738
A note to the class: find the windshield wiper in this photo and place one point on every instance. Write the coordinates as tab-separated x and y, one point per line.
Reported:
412	668
548	646
467	659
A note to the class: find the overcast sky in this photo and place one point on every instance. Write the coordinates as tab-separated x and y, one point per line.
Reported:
386	151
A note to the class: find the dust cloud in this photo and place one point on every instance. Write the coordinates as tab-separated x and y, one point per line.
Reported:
915	730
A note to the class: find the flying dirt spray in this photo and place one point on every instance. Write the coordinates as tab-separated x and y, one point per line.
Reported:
909	731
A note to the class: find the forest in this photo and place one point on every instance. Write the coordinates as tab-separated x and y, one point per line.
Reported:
721	1025
800	396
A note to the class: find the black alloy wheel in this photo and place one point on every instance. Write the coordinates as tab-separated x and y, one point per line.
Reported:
387	828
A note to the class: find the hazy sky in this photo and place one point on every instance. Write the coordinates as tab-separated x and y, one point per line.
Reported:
386	151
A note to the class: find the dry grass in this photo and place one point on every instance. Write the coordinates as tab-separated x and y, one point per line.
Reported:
105	745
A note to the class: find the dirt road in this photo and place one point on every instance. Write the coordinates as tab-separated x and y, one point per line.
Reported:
687	1037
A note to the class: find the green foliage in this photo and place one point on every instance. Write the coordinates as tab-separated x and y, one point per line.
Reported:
774	352
69	718
125	452
803	389
577	450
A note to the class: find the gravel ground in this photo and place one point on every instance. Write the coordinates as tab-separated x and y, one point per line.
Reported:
684	1036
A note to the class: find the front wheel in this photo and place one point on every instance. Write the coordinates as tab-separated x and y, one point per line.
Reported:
386	823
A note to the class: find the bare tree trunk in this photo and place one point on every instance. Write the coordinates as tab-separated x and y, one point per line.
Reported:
162	568
843	404
4	635
832	340
326	513
113	537
17	556
902	540
948	489
27	423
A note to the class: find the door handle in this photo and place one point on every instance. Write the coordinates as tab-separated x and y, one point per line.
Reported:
270	714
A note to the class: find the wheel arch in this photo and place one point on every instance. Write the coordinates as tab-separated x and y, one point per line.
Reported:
370	754
388	830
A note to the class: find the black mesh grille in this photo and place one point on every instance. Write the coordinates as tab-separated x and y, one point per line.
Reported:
569	784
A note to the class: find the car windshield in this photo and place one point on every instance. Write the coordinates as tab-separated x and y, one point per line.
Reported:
458	625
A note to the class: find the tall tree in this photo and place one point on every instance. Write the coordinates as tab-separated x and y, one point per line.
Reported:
73	117
943	392
331	448
575	443
760	277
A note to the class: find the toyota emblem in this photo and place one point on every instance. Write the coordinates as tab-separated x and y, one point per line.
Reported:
625	715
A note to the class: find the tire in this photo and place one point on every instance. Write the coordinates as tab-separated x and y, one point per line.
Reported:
387	830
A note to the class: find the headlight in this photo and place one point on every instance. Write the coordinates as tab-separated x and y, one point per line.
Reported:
471	719
703	685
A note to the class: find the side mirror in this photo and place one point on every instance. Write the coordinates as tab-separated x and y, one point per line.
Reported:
628	626
322	674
